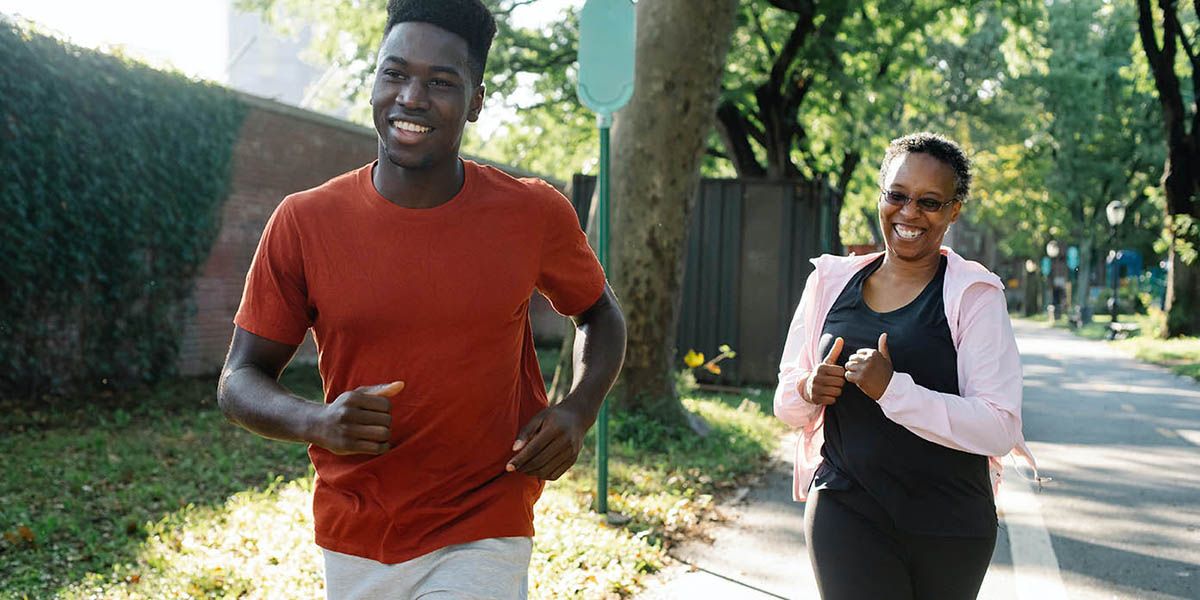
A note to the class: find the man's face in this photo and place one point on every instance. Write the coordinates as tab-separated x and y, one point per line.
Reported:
423	95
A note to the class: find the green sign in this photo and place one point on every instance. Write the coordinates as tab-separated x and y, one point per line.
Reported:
606	54
606	58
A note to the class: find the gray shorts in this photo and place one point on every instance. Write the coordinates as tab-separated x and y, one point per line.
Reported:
494	568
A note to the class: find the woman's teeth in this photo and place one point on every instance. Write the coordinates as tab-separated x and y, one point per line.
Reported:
907	233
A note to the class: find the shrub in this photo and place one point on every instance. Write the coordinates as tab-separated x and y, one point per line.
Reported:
111	180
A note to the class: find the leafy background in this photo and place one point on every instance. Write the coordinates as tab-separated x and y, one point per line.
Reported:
111	180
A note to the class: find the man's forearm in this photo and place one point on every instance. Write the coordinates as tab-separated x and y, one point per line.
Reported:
262	405
598	354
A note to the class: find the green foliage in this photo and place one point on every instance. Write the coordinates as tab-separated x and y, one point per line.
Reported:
1054	101
530	74
1054	107
113	178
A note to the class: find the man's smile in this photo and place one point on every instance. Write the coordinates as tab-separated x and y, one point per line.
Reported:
409	126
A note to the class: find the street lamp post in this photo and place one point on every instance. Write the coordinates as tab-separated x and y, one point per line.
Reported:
1047	297
1030	293
1115	211
1052	251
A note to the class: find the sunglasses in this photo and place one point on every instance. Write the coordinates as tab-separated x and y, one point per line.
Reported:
928	205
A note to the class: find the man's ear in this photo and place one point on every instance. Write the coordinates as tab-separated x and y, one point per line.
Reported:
476	103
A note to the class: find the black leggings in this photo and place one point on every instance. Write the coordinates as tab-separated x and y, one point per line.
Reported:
857	553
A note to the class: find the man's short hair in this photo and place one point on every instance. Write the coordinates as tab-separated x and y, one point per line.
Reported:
938	146
468	19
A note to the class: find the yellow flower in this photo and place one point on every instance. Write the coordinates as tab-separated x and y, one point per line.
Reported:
724	348
693	359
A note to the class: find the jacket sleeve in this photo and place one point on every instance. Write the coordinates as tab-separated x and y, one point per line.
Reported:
986	419
796	363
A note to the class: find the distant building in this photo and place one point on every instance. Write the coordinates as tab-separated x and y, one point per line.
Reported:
265	63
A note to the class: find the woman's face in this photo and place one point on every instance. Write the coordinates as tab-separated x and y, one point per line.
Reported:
911	233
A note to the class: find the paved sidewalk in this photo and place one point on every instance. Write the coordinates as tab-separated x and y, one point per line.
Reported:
758	553
1121	519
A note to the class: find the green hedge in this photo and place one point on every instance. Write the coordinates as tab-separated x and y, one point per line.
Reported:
112	176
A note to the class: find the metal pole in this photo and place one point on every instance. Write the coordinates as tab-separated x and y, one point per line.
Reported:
1046	292
605	122
1116	275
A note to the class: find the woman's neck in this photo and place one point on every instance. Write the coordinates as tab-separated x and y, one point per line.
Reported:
917	270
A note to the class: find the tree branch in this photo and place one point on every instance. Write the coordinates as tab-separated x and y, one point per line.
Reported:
1170	24
1146	33
850	161
1195	62
506	11
1173	19
762	33
795	41
710	151
558	59
792	5
825	39
755	128
889	56
735	131
1162	66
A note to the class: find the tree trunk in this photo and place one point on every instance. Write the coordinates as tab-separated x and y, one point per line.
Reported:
658	142
1183	290
1181	175
1083	279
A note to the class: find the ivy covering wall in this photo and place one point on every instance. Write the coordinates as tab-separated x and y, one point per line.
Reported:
111	179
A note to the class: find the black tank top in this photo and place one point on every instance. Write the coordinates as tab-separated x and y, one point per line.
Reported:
926	488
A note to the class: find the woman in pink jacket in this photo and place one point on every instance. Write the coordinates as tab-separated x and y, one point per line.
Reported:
901	371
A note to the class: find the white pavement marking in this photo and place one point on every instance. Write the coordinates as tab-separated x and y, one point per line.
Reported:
1190	435
1035	566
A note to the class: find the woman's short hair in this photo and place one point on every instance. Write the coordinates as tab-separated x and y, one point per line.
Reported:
938	146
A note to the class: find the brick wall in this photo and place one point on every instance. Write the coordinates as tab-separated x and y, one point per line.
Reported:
281	150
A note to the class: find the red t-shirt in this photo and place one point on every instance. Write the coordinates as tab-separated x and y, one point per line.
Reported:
437	298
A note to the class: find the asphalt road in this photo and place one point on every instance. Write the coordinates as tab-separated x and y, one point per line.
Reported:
1121	518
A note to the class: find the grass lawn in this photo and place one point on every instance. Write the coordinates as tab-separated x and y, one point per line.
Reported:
1180	355
155	495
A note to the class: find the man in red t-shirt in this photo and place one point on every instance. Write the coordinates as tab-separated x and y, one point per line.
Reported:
414	274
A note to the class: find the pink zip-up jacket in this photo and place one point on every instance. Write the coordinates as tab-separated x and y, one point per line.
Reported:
984	419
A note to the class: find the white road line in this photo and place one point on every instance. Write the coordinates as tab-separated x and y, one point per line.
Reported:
1035	566
1190	435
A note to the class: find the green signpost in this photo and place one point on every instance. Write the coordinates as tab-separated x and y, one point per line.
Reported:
606	62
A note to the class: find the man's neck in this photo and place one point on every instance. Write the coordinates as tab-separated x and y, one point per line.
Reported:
417	188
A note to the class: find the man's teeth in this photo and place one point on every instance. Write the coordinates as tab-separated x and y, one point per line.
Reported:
413	127
906	232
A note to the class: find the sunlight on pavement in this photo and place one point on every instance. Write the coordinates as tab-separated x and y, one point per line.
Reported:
1190	435
1035	565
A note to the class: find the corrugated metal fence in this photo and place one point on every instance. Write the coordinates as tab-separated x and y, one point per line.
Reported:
747	260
